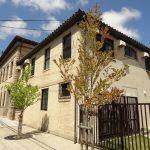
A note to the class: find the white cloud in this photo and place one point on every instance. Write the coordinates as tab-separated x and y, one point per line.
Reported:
119	20
52	25
2	1
83	2
48	6
5	32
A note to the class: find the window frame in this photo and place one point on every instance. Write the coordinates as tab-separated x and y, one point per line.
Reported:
11	69
147	64
67	49
7	72
3	74
109	41
33	66
61	92
47	58
131	51
44	108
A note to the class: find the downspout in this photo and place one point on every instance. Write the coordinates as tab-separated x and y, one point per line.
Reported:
75	121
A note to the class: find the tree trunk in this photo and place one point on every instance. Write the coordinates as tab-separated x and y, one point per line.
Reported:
20	119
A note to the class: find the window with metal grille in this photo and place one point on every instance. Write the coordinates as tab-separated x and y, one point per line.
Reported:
147	64
67	46
44	100
32	66
63	90
47	59
130	52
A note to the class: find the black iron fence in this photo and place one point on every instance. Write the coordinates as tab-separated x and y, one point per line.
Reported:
116	126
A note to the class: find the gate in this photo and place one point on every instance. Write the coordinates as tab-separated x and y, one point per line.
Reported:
117	126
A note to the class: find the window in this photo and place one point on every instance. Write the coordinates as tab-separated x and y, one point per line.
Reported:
147	64
108	43
7	72
98	37
11	69
63	90
32	66
3	74
1	96
44	100
47	59
130	52
4	97
67	46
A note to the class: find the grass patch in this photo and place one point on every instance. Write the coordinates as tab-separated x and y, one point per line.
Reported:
137	142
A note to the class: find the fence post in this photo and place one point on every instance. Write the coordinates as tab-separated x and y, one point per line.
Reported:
121	112
92	142
81	136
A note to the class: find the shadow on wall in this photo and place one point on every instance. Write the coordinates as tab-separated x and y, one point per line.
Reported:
45	123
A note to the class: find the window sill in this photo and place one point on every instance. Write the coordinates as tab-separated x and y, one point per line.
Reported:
45	70
64	99
131	58
43	110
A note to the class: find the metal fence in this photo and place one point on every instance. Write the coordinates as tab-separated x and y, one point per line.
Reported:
116	126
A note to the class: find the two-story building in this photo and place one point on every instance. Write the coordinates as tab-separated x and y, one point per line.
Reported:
56	110
57	107
10	72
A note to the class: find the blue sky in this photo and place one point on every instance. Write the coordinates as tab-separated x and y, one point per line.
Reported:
129	16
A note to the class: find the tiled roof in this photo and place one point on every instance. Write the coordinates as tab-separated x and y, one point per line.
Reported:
15	40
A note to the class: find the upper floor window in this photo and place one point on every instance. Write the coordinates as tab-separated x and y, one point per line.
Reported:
47	59
11	69
147	64
44	100
108	43
63	90
7	72
0	76
130	52
67	46
3	74
32	66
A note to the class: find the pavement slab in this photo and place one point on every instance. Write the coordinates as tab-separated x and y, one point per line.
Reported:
39	141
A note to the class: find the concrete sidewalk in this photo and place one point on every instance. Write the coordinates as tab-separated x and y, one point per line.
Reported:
39	141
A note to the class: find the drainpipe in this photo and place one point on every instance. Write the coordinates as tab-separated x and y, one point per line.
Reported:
75	121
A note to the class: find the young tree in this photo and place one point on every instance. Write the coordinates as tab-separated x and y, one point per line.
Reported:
92	80
22	95
95	74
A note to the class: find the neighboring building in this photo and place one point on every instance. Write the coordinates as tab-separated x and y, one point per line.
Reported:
9	72
56	108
